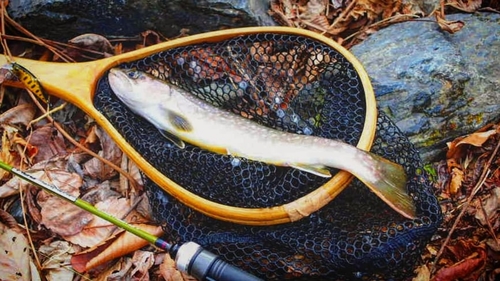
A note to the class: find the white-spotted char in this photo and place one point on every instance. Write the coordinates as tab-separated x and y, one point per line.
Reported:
182	117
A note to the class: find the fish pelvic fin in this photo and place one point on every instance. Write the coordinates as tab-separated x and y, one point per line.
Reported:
317	170
175	140
388	181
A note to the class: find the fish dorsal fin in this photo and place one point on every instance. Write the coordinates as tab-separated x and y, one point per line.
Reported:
317	170
179	122
175	140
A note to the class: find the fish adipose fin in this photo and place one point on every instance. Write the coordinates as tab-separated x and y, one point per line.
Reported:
175	140
388	181
318	170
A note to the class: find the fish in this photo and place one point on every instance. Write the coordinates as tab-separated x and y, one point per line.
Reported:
182	117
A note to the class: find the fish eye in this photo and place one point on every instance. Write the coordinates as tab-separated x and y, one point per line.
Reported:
133	74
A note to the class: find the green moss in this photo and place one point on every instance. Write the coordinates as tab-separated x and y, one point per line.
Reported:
475	119
431	172
432	138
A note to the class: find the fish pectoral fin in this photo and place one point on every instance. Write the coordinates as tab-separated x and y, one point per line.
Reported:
179	122
175	140
318	170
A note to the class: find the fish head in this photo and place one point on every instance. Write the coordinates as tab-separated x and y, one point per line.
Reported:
136	88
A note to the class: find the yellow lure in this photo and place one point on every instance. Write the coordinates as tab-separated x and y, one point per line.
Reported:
30	82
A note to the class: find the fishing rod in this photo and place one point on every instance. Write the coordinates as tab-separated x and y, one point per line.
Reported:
189	257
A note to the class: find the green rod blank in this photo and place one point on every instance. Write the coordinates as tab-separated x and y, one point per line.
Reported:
87	207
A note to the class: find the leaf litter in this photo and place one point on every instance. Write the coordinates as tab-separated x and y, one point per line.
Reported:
466	246
68	149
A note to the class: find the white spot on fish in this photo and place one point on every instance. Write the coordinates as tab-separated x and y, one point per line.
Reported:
235	162
180	61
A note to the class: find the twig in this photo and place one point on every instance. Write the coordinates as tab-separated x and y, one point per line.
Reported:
21	193
490	227
23	208
482	179
83	148
342	15
382	23
3	41
25	31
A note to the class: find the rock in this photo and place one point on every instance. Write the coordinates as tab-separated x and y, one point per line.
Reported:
64	19
435	85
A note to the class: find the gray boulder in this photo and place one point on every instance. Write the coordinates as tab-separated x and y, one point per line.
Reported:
64	19
435	85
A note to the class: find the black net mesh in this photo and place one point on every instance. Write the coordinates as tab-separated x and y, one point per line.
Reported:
299	85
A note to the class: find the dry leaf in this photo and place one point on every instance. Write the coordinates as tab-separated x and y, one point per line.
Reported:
55	259
169	272
423	273
470	260
6	157
493	244
468	6
490	206
143	261
457	177
448	26
112	248
94	42
94	167
131	168
15	261
98	230
22	114
59	215
117	272
476	139
49	143
149	37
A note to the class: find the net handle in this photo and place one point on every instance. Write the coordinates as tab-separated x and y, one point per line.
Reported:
76	83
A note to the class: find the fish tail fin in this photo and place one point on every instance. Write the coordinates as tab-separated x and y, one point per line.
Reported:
388	181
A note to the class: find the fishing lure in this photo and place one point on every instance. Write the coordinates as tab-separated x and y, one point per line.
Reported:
30	81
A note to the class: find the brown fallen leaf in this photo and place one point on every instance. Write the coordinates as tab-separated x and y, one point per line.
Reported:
59	215
456	148
448	26
15	261
169	272
469	6
93	42
112	248
9	159
49	143
55	258
21	114
117	271
423	273
457	177
98	230
470	259
490	206
150	37
143	261
109	150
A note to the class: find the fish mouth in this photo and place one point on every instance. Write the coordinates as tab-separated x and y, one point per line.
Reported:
119	81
